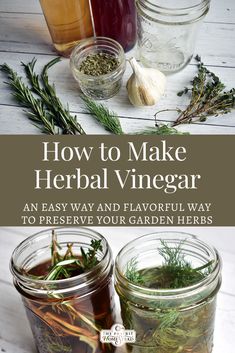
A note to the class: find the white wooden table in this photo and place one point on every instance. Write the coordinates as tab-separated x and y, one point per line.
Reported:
24	35
15	335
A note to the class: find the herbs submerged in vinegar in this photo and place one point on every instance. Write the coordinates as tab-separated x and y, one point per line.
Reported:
161	326
70	324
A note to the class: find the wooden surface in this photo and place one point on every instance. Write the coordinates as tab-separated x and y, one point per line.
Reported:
15	335
24	35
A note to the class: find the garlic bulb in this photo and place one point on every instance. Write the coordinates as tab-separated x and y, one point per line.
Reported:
146	85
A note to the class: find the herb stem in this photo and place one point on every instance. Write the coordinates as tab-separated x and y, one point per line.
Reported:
47	93
103	115
208	97
36	110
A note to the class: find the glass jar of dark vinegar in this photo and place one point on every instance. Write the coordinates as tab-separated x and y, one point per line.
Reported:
116	20
65	315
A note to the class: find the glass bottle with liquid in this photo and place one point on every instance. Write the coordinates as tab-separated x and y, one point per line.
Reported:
68	21
116	19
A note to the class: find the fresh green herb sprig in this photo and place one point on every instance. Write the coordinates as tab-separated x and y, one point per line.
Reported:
36	109
207	97
45	110
175	271
68	265
103	115
162	130
131	272
47	93
89	259
111	121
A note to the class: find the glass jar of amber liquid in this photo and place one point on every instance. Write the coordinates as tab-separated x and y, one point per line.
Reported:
65	315
168	320
68	22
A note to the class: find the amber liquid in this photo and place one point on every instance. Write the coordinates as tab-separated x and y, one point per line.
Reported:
71	325
68	21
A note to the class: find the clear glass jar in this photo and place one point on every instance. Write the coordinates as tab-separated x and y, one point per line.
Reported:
103	86
68	22
169	320
167	31
66	315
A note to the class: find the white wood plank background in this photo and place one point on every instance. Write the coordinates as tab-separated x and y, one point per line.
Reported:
15	334
24	35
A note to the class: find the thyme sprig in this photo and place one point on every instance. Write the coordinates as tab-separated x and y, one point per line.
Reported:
207	97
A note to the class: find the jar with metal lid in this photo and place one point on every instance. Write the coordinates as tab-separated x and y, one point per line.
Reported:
168	320
167	31
66	315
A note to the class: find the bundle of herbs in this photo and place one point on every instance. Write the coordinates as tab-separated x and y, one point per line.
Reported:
162	326
46	111
40	100
208	97
207	93
69	324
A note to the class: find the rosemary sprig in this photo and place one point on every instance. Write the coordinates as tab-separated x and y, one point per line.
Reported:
68	265
46	111
103	115
207	97
36	109
47	93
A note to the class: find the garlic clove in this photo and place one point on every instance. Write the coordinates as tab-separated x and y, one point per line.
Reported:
145	86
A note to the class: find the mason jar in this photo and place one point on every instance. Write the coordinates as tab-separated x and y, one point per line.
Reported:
103	86
65	315
167	31
169	320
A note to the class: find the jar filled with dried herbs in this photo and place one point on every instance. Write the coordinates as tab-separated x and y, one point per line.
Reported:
167	284
65	279
98	65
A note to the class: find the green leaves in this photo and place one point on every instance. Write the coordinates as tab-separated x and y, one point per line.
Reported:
207	97
69	264
175	271
103	115
36	110
44	108
59	269
162	130
131	272
89	259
